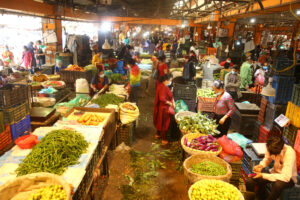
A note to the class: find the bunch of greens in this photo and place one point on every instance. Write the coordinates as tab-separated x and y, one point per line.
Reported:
116	78
199	123
56	151
108	98
207	93
208	168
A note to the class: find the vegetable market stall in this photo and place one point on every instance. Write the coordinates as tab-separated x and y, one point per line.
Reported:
74	174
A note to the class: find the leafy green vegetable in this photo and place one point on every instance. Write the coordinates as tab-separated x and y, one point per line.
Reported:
208	168
93	68
208	93
116	77
105	99
201	123
56	151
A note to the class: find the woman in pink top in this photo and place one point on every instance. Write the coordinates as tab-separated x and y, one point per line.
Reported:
27	58
283	175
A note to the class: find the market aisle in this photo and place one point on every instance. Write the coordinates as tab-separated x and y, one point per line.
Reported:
168	184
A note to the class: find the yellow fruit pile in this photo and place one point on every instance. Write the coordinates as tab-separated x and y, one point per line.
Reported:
91	119
210	189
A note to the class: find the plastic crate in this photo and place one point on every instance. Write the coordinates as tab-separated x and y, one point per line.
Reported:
290	134
291	193
256	131
264	134
251	97
5	138
72	76
11	95
244	175
191	104
250	159
281	64
84	186
184	91
293	113
272	112
16	113
20	128
283	89
206	104
243	123
296	95
47	69
262	111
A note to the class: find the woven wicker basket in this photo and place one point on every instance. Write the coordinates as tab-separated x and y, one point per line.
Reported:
195	159
201	182
22	187
183	114
190	137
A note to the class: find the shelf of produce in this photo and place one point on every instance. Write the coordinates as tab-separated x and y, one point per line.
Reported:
81	176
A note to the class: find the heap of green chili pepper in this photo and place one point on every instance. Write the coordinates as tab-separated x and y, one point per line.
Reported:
56	151
108	98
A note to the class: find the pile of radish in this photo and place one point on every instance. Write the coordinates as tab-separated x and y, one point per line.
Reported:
203	143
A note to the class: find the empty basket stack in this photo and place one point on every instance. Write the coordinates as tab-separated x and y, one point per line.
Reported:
14	109
236	173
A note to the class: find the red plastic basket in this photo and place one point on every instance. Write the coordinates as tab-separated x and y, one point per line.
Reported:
5	137
27	141
264	134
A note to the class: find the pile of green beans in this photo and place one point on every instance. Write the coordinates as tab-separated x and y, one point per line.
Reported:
56	151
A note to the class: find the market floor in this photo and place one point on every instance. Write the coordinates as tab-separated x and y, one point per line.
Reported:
168	183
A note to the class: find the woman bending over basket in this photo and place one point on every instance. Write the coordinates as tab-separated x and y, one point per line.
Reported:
163	107
224	107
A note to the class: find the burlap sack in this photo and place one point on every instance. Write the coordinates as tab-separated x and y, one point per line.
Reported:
22	187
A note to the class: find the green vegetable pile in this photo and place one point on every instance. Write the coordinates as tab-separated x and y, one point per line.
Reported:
56	151
207	93
210	189
199	123
116	78
52	192
208	168
91	67
105	99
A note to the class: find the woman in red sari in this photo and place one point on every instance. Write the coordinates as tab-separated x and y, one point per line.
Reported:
163	108
163	68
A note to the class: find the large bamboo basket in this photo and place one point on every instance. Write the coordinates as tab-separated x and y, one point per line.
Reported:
23	187
190	137
182	114
196	159
201	183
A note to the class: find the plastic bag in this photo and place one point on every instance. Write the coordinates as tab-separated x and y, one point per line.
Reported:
230	146
180	105
239	139
229	158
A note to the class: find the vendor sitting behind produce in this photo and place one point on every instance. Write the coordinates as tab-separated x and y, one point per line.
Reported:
283	175
99	83
38	76
97	59
224	108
